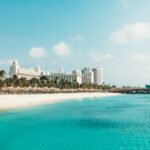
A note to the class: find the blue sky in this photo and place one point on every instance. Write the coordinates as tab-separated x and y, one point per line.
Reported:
114	34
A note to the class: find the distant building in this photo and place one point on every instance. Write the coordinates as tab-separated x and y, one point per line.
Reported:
84	70
94	75
15	69
98	75
87	76
75	76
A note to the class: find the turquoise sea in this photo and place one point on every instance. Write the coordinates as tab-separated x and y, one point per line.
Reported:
112	123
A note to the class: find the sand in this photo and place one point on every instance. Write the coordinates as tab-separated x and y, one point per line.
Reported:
19	101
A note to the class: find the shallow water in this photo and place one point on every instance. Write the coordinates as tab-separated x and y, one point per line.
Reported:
112	123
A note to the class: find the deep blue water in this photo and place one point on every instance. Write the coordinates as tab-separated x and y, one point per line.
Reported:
112	123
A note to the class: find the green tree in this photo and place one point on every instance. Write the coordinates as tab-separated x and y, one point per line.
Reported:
2	74
34	82
44	81
1	84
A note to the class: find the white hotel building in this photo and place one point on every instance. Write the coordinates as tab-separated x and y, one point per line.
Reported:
75	76
15	69
98	75
92	75
86	76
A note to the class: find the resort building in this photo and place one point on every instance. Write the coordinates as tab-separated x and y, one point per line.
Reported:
15	69
87	76
94	75
98	75
75	76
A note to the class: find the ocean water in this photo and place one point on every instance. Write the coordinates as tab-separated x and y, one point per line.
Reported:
112	123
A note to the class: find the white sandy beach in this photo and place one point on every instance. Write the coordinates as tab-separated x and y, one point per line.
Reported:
17	101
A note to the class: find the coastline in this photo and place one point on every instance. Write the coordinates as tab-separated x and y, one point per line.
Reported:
19	101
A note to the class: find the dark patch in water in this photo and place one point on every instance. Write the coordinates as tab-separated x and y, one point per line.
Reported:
99	123
102	124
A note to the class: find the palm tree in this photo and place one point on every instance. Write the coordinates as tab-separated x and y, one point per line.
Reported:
14	80
44	80
2	74
56	82
8	82
1	84
34	82
23	82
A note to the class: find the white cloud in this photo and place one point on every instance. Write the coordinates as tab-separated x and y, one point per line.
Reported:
132	33
147	68
139	57
61	49
37	52
99	56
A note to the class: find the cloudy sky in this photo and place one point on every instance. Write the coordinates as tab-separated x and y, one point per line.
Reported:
114	34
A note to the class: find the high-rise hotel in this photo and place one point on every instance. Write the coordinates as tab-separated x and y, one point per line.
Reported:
86	75
92	75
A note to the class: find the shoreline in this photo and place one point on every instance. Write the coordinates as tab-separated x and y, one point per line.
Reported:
20	101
